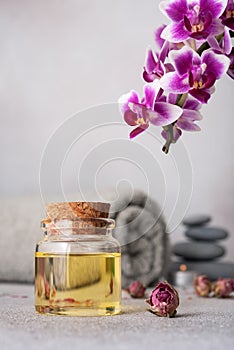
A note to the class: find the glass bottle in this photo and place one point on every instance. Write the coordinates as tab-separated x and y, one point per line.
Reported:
78	268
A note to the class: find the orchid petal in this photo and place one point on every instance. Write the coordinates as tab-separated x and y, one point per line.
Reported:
138	130
229	22
154	68
130	117
164	51
187	125
216	27
149	77
201	95
213	42
196	58
209	80
150	91
216	63
191	103
187	23
169	67
230	71
172	82
191	115
175	32
150	61
172	98
132	96
227	41
176	134
208	20
157	36
182	59
164	114
215	7
227	17
140	110
174	9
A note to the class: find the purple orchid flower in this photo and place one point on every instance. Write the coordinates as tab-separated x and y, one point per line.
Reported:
196	19
223	45
230	71
227	17
150	109
154	67
194	74
160	41
190	114
157	36
185	122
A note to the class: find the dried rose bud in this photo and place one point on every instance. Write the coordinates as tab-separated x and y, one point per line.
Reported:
202	285
136	289
223	287
163	300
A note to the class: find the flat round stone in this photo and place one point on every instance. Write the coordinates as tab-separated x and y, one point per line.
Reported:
196	220
198	251
206	233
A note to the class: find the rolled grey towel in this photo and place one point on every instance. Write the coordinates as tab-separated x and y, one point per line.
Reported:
140	229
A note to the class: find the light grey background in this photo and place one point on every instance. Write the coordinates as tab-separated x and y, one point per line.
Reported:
60	57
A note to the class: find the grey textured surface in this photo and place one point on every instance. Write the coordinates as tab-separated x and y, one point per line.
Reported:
201	324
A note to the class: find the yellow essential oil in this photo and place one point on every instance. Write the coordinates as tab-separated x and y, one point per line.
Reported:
78	284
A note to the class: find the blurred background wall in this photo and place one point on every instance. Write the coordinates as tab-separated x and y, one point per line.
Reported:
59	57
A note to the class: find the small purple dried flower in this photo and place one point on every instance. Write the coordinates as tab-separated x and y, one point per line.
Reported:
223	287
202	286
136	289
163	300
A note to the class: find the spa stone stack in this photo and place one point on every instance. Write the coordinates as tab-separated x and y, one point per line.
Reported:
202	249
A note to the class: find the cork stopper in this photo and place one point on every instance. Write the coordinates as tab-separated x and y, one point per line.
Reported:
83	215
73	210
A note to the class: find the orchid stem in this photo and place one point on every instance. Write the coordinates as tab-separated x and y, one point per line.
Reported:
181	99
193	44
169	141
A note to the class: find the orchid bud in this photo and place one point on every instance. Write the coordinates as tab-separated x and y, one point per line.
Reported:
136	289
223	287
163	300
202	286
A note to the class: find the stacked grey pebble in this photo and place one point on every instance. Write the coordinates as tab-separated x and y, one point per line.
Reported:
202	249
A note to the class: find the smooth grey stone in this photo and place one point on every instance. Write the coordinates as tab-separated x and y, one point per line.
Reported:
212	269
196	220
206	233
198	251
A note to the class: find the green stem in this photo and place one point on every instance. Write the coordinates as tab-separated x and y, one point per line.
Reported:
182	98
203	47
193	44
169	141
